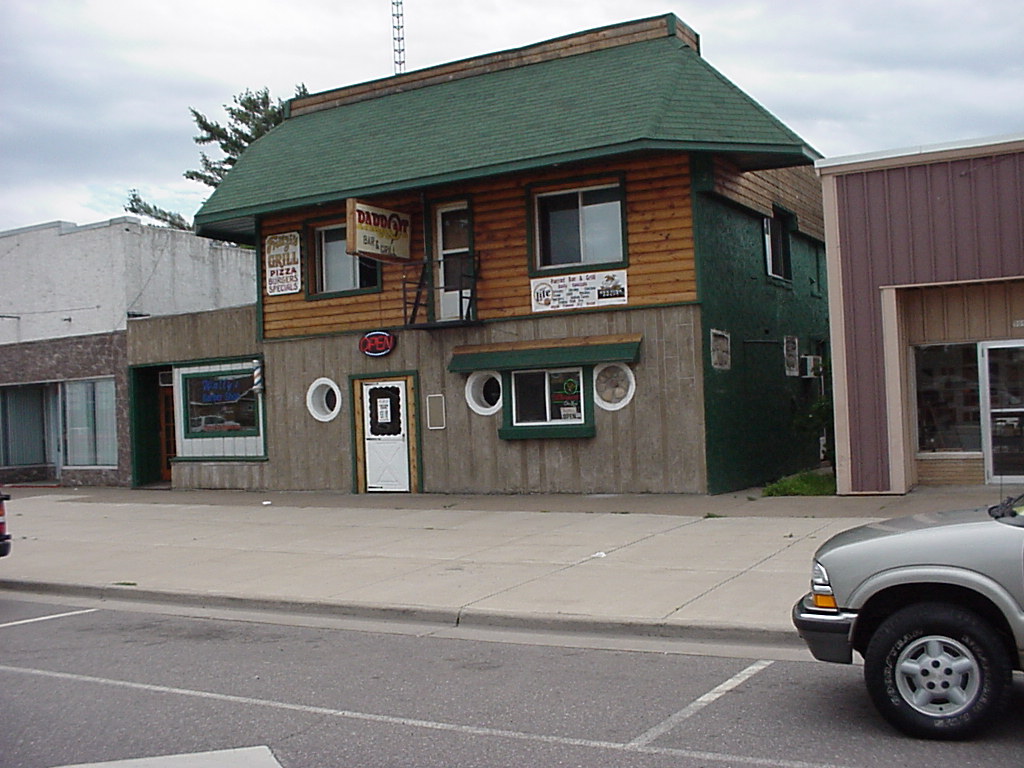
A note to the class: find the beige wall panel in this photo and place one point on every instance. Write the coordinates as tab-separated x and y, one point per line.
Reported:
964	313
190	475
197	336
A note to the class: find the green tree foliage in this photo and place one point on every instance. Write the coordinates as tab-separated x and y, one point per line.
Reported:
252	114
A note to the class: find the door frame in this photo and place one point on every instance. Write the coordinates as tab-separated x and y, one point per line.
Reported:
985	405
358	453
463	295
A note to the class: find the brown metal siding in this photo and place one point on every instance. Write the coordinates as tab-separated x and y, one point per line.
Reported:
950	221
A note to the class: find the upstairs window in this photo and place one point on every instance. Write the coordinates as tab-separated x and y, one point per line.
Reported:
579	227
777	229
338	271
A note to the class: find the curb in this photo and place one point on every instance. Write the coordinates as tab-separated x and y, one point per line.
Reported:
460	617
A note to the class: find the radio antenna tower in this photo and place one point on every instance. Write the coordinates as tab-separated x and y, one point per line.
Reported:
398	29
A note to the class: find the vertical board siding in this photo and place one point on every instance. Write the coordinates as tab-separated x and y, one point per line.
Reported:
948	221
653	445
958	314
659	231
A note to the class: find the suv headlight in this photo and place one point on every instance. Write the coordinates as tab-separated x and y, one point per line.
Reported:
821	588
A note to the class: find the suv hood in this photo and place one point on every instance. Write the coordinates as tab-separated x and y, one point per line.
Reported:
897	526
966	541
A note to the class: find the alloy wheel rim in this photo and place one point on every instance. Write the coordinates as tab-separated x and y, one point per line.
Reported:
938	676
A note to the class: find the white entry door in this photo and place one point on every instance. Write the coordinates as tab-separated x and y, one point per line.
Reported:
386	435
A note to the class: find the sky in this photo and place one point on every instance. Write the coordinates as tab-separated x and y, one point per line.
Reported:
95	94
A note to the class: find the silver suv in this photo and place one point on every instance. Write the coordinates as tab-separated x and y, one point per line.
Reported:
935	605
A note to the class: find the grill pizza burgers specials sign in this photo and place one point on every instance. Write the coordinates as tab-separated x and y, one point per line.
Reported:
281	264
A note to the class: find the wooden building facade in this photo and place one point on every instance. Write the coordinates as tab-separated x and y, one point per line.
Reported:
591	265
926	276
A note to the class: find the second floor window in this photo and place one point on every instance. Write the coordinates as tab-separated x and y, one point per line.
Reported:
777	231
580	226
338	271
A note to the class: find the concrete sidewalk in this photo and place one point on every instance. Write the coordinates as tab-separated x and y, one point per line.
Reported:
723	567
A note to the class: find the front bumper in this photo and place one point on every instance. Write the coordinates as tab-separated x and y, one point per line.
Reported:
827	634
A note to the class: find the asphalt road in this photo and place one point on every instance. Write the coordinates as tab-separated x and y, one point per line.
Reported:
88	682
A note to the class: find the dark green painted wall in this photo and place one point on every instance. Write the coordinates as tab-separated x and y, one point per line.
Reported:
751	437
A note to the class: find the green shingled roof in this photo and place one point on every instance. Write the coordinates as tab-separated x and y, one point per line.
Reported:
653	94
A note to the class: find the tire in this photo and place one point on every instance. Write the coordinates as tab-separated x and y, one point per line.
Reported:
937	671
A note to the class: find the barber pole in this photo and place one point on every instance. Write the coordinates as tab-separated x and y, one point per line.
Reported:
257	376
5	537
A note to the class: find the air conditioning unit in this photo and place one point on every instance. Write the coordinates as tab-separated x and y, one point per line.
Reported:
810	366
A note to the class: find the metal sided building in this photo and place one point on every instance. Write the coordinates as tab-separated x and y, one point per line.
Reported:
588	265
926	283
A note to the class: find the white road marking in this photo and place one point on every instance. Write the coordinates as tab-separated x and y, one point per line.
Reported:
47	618
697	705
470	730
247	757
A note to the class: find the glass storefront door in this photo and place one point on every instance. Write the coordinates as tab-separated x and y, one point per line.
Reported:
1001	368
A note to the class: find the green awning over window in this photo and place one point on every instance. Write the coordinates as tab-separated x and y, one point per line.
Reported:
546	353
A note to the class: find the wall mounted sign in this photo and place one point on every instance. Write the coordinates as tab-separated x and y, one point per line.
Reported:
791	352
579	291
377	343
377	232
721	350
281	264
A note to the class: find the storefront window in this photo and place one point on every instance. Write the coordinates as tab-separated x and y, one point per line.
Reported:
546	397
220	405
90	423
948	412
22	426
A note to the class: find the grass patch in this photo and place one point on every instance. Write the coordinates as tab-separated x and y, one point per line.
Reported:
803	484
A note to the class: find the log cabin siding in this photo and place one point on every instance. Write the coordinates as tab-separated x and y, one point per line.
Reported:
659	231
797	189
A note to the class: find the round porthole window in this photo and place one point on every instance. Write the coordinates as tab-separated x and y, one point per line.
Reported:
483	392
614	386
323	400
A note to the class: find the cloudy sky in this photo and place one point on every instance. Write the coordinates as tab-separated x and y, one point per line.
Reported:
95	94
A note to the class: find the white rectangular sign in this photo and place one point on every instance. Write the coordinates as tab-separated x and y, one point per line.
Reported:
281	264
579	291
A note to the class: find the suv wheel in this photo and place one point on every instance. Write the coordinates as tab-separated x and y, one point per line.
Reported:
937	671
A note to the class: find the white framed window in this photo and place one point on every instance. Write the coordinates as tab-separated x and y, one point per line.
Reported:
777	230
579	226
547	397
483	392
323	400
90	423
337	271
614	386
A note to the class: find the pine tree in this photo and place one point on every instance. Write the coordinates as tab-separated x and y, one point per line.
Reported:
252	114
